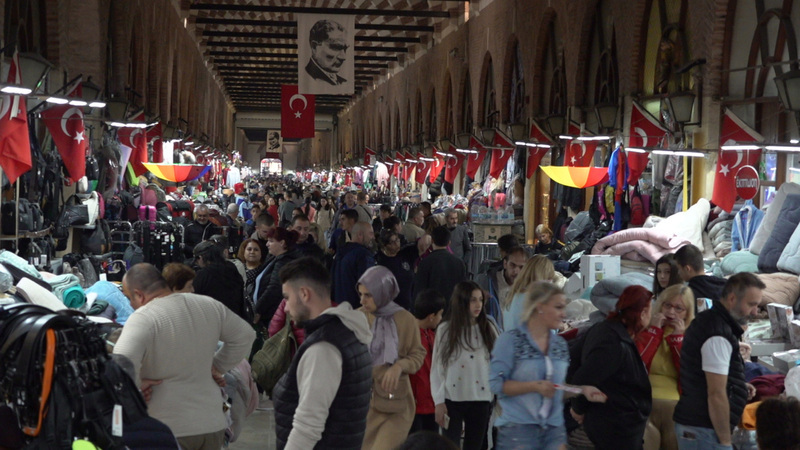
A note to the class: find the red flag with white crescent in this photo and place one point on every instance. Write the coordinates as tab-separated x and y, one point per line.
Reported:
535	155
733	131
645	132
66	126
504	149
408	165
422	168
579	153
474	160
369	157
452	165
398	165
136	139
538	134
436	167
297	113
15	143
154	137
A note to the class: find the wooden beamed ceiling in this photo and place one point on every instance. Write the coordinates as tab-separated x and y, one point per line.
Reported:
252	44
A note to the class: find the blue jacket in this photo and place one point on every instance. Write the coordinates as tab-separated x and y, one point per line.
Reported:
350	263
517	357
488	282
745	225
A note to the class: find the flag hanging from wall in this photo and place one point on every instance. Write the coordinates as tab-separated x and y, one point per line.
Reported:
370	157
423	167
535	154
297	113
436	166
733	131
325	54
501	153
154	138
474	160
452	165
136	139
645	132
66	126
579	153
15	144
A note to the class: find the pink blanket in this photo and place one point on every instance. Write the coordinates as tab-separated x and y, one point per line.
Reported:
639	244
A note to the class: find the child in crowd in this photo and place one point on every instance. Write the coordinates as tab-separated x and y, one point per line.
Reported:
428	309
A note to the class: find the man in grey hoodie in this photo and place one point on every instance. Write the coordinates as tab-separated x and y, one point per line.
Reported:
323	399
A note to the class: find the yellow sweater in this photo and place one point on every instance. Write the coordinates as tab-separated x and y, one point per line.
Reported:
663	374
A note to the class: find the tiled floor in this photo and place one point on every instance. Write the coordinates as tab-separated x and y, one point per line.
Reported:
258	432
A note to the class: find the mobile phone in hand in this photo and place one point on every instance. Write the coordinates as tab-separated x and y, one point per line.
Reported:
446	422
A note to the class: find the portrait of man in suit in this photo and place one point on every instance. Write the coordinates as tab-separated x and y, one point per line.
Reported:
328	43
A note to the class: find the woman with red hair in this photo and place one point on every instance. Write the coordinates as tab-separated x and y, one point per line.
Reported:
609	360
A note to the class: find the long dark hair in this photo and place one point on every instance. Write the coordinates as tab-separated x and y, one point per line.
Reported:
460	322
674	277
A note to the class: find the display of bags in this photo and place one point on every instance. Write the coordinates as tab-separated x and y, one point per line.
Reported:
97	241
73	212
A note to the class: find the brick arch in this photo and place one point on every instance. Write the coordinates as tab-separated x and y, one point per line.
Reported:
586	31
465	84
487	62
508	68
716	81
446	117
542	41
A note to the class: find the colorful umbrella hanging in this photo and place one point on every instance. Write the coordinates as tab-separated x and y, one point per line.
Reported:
577	177
177	172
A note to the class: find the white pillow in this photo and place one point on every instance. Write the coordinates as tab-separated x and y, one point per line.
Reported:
688	224
765	229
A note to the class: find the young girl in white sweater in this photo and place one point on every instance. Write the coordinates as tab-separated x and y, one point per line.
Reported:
460	367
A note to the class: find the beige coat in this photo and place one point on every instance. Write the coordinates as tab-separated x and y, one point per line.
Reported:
389	421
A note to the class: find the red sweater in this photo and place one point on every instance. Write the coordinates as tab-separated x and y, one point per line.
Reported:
421	381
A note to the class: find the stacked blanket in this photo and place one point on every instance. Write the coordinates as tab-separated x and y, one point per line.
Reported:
719	232
606	292
771	217
783	288
639	244
736	262
779	237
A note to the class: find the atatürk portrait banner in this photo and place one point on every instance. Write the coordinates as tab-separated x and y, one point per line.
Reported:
325	54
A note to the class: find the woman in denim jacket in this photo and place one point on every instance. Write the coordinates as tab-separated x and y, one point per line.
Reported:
527	372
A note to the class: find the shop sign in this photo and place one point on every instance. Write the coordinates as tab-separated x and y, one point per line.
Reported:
747	182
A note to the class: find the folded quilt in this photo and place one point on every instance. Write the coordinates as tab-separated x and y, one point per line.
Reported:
783	288
606	292
639	244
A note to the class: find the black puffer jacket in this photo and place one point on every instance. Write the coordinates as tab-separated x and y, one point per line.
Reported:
270	290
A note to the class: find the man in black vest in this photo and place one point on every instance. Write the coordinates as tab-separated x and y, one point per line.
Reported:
712	371
323	399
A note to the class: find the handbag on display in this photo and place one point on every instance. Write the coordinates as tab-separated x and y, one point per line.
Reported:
73	212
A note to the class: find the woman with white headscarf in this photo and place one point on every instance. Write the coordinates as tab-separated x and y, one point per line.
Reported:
396	353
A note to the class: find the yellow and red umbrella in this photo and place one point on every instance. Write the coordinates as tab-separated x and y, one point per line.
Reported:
177	172
577	177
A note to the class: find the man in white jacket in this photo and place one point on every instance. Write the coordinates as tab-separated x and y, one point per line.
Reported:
323	399
172	341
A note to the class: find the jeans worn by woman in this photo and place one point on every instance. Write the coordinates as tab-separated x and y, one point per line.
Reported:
529	420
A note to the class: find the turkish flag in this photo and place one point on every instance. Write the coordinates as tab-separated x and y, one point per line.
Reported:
154	137
422	168
539	135
504	149
579	153
408	165
535	155
733	131
475	160
452	166
645	132
369	157
136	139
15	143
66	126
436	167
398	164
297	113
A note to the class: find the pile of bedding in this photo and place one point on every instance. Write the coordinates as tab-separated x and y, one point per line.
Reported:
639	244
764	231
719	233
736	262
606	292
784	226
783	288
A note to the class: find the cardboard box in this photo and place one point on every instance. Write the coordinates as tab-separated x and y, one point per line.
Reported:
779	318
783	361
489	233
597	267
794	333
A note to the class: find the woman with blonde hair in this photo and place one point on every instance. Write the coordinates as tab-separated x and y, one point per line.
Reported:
660	348
527	372
538	268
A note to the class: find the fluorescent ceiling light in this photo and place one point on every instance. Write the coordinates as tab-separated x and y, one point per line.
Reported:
566	136
741	147
690	154
544	145
794	141
15	90
527	144
427	159
97	105
57	100
78	103
662	152
783	148
466	150
594	138
188	143
636	150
